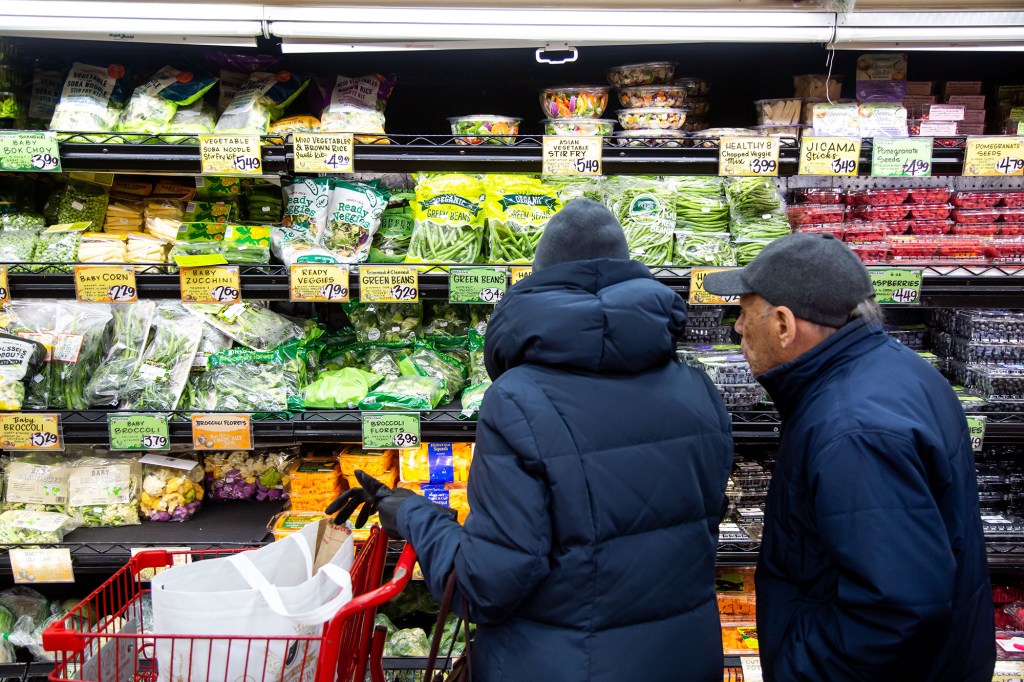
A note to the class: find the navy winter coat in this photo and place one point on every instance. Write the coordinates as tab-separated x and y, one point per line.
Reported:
595	491
872	563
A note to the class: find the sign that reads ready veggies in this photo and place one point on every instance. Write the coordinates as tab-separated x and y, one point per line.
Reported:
213	284
477	285
30	432
565	155
994	157
222	432
389	284
901	157
105	284
318	283
896	286
323	152
230	154
829	155
976	427
748	156
30	152
700	297
387	430
138	432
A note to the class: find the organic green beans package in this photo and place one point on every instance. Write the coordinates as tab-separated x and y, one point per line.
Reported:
518	208
36	482
244	380
449	219
105	491
154	103
391	242
647	212
129	331
696	249
159	379
385	324
412	392
248	323
84	202
91	99
260	100
353	217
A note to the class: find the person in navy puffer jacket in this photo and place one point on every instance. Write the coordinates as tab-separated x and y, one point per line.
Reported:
597	483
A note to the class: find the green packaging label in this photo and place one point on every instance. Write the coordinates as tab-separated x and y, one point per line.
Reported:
387	430
139	432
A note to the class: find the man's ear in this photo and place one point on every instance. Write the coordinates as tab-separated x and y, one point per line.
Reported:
785	326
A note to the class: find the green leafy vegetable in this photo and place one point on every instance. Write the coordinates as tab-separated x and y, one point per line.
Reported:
159	378
131	322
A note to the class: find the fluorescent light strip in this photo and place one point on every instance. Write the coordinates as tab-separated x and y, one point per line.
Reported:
185	27
161	39
128	10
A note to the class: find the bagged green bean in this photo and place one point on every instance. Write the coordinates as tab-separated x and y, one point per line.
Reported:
518	208
17	244
84	202
244	380
701	212
248	323
446	325
695	249
340	389
449	219
752	198
260	100
154	103
767	226
105	491
391	242
429	361
385	324
706	185
353	217
410	392
264	204
91	99
55	245
130	329
747	249
159	378
36	482
647	212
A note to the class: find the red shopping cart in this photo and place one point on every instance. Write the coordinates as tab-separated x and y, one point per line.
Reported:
104	638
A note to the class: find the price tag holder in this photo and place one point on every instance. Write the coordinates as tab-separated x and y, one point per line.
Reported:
477	285
700	297
751	666
105	284
139	431
839	156
389	284
30	152
323	152
42	565
520	273
213	284
388	430
22	431
748	156
572	155
5	287
222	432
903	157
976	427
230	154
896	286
994	157
318	283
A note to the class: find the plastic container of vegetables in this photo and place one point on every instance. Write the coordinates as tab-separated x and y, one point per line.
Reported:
574	101
579	126
778	112
652	119
649	138
485	129
643	96
647	73
699	106
693	86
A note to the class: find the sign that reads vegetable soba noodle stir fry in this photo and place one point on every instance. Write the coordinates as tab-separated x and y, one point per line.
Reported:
323	152
748	156
572	155
222	432
829	156
230	154
389	284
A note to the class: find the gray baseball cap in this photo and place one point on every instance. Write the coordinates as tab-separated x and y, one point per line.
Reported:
814	275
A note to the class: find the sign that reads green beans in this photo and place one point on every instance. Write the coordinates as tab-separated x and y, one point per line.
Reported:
387	430
976	427
138	432
902	157
477	285
896	286
30	152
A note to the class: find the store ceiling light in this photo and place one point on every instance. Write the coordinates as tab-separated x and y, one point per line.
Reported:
931	31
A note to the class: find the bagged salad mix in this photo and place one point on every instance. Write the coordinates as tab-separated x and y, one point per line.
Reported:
160	376
260	474
129	331
307	203
353	217
646	209
91	99
518	208
104	491
37	482
449	219
173	489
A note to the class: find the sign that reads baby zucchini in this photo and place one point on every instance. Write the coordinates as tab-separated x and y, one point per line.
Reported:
318	283
139	432
105	284
994	157
51	565
565	155
389	284
31	432
698	296
829	155
214	284
896	286
222	432
477	285
976	427
520	273
901	157
322	152
230	154
386	430
30	152
5	287
748	156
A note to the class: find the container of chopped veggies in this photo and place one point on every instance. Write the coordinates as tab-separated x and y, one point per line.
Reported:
644	96
286	523
652	119
574	101
172	487
649	138
259	474
576	127
485	129
648	73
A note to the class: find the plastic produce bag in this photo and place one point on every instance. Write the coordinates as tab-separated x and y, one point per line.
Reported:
767	226
446	325
307	203
259	474
36	482
159	378
408	642
352	219
449	219
703	249
91	99
154	103
518	208
104	491
172	493
36	322
260	100
84	202
646	209
477	366
20	358
370	92
245	380
339	389
385	324
698	212
56	245
391	242
383	361
26	602
264	204
431	362
752	198
292	246
248	323
412	392
130	329
21	220
340	349
22	527
196	119
473	398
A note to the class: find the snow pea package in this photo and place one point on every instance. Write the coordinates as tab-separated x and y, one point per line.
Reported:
91	99
518	208
159	378
104	491
244	380
352	219
646	209
154	103
262	99
449	219
307	203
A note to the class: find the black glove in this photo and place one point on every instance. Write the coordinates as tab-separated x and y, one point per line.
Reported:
375	497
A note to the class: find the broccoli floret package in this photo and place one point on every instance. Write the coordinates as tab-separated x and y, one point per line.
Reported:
410	392
245	380
385	324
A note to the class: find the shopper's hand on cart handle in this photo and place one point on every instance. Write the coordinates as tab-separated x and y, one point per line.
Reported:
375	498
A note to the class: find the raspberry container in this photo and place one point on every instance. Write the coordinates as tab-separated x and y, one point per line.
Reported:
977	229
869	231
1013	199
836	229
930	211
878	197
1008	250
808	214
976	199
1013	215
818	195
963	250
1011	229
871	253
930	195
976	215
886	212
919	227
912	249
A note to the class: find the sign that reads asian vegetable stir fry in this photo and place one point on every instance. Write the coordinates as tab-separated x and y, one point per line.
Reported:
214	284
477	285
29	152
138	432
389	284
902	157
700	297
222	432
318	283
230	154
386	430
323	152
748	156
896	286
829	156
31	432
994	156
105	284
565	155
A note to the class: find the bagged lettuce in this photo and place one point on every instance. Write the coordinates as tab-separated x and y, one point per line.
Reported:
91	99
518	208
339	389
353	217
449	219
260	100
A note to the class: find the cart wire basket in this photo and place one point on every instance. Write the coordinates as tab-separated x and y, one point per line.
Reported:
105	637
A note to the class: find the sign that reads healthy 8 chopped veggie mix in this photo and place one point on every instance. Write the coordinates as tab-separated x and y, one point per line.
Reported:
896	286
215	284
31	432
138	432
748	156
829	155
386	430
901	157
388	284
222	432
698	296
230	154
323	152
572	155
29	152
477	285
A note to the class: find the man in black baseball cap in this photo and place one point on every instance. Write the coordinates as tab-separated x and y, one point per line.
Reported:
872	562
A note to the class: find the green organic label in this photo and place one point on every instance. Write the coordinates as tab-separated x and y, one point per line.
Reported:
976	426
908	157
32	152
387	430
897	286
139	432
477	285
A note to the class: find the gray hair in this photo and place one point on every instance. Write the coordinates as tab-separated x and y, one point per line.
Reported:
869	311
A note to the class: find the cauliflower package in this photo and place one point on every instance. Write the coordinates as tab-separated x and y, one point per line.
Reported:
172	487
259	474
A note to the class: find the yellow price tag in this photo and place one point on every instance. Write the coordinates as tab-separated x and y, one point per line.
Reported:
389	284
42	565
214	284
5	287
222	432
30	432
994	157
105	284
700	297
230	154
323	282
572	155
748	156
323	152
520	273
829	156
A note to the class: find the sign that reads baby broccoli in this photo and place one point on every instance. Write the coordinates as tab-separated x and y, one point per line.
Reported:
138	432
896	286
976	427
477	285
21	431
388	430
